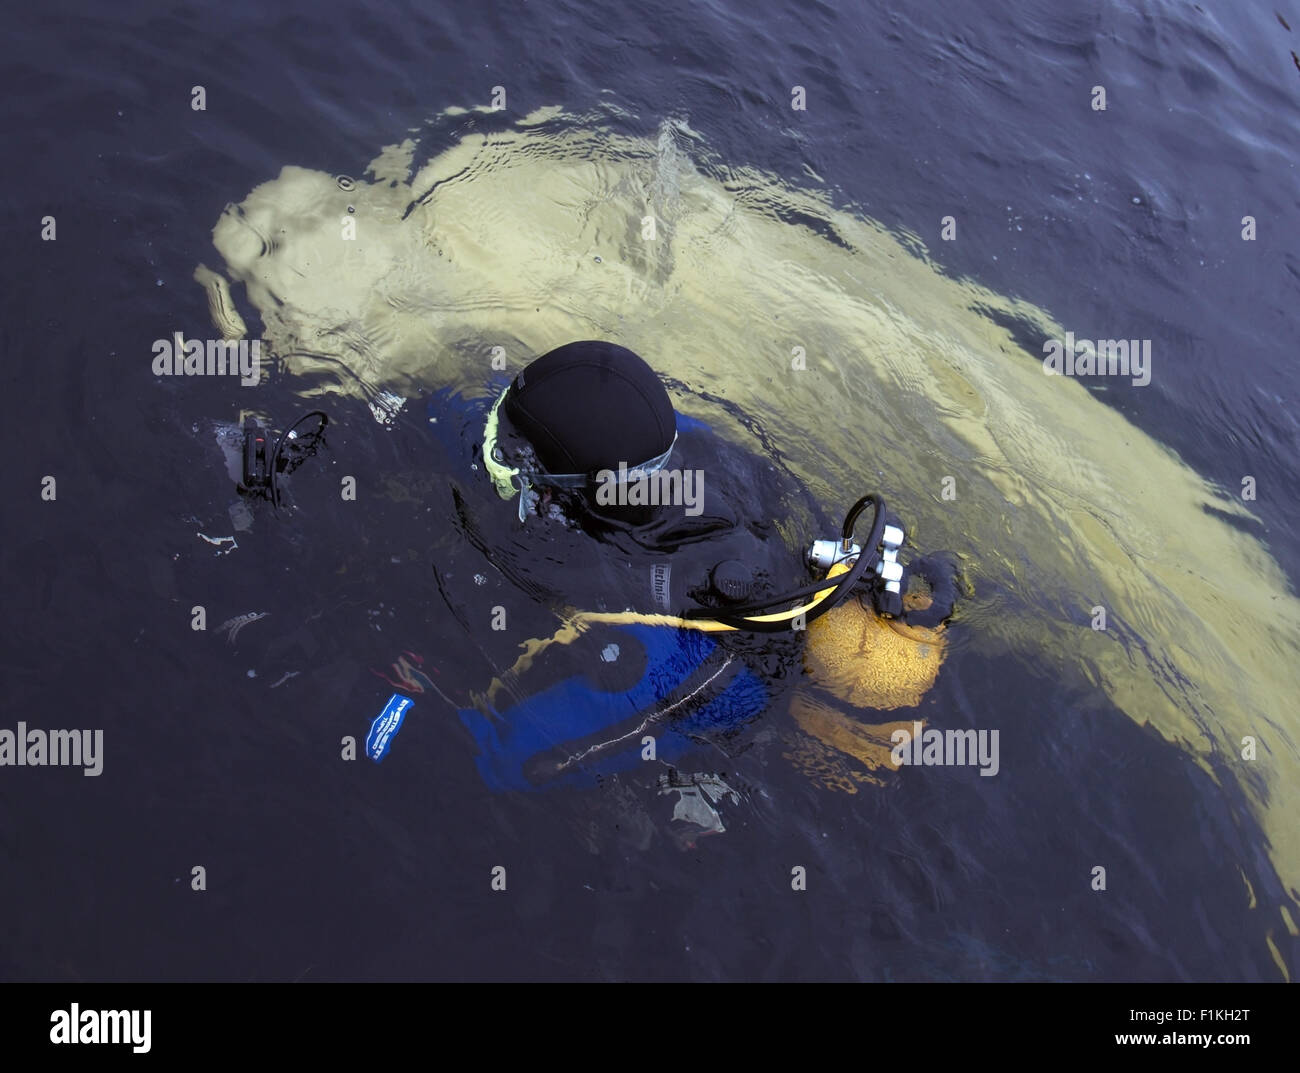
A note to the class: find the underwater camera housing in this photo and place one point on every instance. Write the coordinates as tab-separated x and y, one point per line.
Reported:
266	456
257	465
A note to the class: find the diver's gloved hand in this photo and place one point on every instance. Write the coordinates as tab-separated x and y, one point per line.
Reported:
929	590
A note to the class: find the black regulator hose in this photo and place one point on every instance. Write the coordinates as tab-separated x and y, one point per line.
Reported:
870	554
279	447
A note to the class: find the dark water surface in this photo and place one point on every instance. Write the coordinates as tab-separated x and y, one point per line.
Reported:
1124	222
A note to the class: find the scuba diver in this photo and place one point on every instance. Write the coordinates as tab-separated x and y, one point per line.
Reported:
664	546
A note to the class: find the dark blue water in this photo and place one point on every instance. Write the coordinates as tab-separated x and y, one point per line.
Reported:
323	869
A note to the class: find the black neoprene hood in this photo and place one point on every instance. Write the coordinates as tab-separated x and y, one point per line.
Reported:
591	405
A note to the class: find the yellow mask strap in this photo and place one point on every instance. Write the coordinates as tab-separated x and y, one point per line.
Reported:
503	476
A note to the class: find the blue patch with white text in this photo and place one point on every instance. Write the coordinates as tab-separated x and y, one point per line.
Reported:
386	724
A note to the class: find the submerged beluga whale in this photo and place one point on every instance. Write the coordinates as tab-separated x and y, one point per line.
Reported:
825	326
